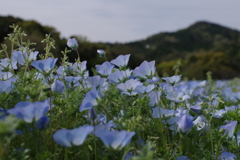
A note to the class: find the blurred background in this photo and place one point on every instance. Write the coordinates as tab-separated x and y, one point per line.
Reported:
203	35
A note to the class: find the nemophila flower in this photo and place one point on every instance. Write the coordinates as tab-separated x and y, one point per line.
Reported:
8	64
229	128
196	109
90	100
154	79
198	92
61	71
185	122
129	87
231	108
57	86
172	80
115	139
81	68
42	122
121	61
227	156
44	65
200	122
101	118
72	43
145	70
71	80
98	82
7	85
92	113
22	56
29	111
158	112
182	158
177	96
5	75
119	76
105	68
154	98
219	113
101	52
144	89
167	87
104	126
69	137
228	95
128	156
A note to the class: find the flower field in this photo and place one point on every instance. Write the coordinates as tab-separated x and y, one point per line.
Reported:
54	112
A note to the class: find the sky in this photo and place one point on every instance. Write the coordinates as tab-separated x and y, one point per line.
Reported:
122	20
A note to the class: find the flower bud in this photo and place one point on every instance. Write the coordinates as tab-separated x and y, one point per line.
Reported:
72	43
101	52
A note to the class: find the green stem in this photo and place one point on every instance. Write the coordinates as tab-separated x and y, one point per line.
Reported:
218	148
95	145
65	154
78	55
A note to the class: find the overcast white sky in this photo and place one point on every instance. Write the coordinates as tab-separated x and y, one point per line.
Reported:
122	20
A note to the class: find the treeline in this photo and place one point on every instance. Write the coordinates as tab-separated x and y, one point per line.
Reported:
202	47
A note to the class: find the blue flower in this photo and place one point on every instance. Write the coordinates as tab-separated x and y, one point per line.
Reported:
115	139
121	61
92	113
22	56
5	75
42	122
90	100
7	85
72	43
172	80
145	70
154	98
196	109
144	89
6	63
81	68
119	76
101	52
229	128
104	127
227	156
129	87
182	158
159	112
101	118
185	122
105	68
98	82
177	96
57	86
29	111
69	137
44	65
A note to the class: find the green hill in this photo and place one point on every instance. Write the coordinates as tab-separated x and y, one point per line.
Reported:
201	47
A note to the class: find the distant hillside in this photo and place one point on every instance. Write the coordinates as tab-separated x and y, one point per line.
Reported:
201	47
204	46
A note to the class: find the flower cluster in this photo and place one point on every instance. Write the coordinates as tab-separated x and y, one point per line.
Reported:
118	110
